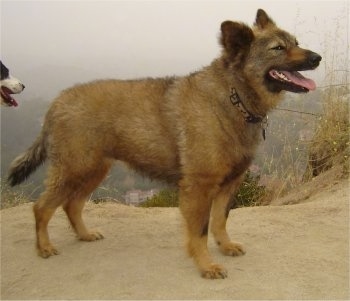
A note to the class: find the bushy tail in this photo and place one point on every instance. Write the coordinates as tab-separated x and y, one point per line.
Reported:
27	162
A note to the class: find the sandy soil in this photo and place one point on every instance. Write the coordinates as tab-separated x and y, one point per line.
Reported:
296	251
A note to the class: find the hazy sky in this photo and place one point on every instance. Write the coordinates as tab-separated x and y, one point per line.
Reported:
126	39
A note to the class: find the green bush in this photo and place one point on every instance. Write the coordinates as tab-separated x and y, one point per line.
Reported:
165	198
250	193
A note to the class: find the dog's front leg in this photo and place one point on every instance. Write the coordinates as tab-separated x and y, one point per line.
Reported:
195	204
220	211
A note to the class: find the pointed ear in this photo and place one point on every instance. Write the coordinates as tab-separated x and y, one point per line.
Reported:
236	38
262	20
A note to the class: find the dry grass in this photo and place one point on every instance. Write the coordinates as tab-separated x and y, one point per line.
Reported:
299	161
11	198
330	146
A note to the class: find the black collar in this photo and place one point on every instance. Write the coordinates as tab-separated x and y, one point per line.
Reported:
248	117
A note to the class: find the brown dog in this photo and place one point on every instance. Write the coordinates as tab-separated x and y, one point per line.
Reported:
199	131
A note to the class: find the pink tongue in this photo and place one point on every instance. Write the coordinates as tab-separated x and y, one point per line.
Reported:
300	80
14	102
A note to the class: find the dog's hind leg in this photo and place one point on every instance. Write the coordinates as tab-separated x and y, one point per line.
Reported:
196	196
44	208
74	206
74	210
43	214
63	188
220	211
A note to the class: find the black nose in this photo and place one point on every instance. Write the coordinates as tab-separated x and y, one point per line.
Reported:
314	59
23	86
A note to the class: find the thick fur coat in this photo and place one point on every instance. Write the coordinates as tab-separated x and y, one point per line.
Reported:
184	130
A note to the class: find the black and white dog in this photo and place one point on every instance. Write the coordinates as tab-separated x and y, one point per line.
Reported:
9	85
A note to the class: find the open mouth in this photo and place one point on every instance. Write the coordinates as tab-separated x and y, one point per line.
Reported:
7	98
292	81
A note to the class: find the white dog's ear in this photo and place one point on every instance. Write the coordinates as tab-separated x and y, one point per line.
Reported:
262	20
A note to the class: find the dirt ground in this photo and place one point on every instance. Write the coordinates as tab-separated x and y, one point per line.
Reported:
298	251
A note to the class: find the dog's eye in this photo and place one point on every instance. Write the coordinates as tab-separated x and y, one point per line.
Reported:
279	47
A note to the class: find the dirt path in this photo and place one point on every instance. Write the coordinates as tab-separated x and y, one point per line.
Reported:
293	252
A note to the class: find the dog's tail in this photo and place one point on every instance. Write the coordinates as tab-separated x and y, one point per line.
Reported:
26	163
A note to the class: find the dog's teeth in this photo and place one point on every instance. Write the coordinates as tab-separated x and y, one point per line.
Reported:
281	76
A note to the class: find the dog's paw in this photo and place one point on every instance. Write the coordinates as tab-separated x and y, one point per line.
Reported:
47	251
215	271
232	249
91	236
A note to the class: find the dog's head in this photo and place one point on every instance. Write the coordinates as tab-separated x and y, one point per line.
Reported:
8	86
267	56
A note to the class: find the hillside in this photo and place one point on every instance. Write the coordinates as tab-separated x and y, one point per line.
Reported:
296	251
